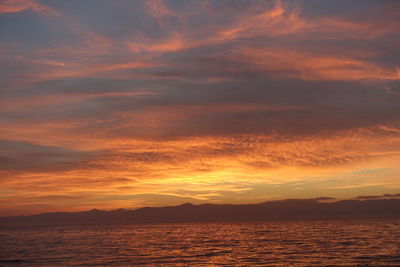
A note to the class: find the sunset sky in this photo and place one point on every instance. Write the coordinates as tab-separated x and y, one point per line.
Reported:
124	104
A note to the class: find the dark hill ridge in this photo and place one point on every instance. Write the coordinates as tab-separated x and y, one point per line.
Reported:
273	210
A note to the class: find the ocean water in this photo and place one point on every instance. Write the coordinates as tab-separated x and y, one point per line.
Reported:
279	243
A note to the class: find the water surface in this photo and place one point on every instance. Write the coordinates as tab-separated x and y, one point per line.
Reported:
279	243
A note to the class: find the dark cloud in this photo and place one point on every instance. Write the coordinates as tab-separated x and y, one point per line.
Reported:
369	197
391	195
380	196
23	155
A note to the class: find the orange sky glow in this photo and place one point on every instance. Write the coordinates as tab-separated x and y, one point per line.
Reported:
125	104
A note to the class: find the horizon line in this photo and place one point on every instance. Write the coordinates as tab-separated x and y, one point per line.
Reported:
320	199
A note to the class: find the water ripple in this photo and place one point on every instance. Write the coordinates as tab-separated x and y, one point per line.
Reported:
281	243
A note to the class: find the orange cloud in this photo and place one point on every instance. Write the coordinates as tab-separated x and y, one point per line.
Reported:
297	64
278	20
159	10
15	6
205	167
173	43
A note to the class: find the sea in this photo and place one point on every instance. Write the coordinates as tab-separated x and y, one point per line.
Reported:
345	242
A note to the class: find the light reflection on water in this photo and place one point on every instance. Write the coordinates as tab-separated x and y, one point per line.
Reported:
280	243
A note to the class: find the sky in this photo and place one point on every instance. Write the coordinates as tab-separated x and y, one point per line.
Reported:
125	104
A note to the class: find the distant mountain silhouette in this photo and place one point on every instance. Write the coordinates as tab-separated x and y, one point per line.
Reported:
272	210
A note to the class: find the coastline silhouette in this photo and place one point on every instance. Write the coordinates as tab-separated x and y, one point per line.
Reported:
317	208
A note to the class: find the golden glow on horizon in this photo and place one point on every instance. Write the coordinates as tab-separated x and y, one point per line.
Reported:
207	168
